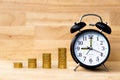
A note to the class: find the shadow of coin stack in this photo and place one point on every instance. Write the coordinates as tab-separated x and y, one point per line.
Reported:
32	63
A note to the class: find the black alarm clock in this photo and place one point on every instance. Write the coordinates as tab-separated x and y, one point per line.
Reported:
90	48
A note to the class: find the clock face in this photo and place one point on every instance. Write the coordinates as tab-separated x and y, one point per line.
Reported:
90	48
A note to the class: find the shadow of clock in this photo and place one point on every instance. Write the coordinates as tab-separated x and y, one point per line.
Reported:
99	69
112	66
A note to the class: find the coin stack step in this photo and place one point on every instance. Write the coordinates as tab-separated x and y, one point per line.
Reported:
18	65
62	58
32	63
46	60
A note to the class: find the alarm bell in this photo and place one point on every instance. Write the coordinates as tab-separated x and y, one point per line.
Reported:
77	26
100	25
104	27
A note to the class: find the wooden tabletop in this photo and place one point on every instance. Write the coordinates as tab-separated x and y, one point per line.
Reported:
7	72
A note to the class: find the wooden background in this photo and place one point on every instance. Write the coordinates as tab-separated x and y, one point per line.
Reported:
29	28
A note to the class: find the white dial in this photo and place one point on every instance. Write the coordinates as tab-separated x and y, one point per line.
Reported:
91	48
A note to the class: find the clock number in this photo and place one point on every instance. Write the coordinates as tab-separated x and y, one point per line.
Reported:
103	48
84	38
80	42
101	54
80	55
90	60
84	58
90	36
97	59
78	48
101	42
97	38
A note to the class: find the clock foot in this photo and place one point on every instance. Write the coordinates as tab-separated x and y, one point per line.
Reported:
106	69
76	67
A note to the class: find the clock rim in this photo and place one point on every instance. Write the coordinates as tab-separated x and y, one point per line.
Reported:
73	52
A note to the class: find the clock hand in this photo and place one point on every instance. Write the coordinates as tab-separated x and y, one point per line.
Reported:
90	48
96	50
91	41
85	48
88	51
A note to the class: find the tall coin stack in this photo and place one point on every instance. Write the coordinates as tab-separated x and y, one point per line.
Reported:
46	60
32	63
62	58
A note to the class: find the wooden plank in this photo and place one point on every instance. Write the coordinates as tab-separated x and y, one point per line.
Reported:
115	18
16	44
51	44
62	33
65	2
40	73
62	6
43	19
19	32
12	18
24	54
53	33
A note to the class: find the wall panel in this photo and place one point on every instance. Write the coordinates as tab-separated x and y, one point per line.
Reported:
30	28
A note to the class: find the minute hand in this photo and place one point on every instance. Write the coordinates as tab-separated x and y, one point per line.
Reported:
91	41
96	50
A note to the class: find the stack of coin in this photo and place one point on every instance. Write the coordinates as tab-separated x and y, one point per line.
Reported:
18	65
62	58
46	60
32	63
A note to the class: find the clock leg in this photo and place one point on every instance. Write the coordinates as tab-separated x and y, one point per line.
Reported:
77	66
106	69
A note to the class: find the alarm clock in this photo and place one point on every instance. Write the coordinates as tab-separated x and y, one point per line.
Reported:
90	48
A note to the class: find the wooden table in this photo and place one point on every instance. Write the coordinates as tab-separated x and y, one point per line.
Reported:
7	72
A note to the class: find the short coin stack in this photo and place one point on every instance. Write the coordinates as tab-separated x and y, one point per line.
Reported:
32	63
46	60
18	65
62	60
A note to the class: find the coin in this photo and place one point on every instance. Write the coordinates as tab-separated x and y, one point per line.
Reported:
46	60
18	65
32	63
62	58
32	60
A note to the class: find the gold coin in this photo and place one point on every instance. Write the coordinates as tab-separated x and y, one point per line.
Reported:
18	65
62	58
46	60
32	60
32	65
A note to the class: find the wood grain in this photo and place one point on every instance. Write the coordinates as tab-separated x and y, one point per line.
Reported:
30	28
60	20
12	18
9	73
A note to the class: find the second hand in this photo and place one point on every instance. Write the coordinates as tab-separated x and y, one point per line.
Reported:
88	51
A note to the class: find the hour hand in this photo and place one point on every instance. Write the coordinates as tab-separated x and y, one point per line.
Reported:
85	48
